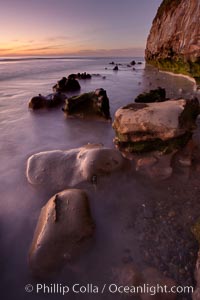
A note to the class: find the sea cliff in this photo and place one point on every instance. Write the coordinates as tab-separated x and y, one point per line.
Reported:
173	43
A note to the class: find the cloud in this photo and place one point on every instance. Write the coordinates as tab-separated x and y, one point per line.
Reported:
139	51
6	49
51	47
58	38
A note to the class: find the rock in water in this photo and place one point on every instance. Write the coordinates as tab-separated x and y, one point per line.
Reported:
133	63
80	76
173	42
63	228
69	84
62	169
158	95
92	104
161	126
49	101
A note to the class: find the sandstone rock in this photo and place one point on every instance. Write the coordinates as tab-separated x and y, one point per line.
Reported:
61	169
153	278
158	95
155	165
127	275
92	104
67	85
161	126
63	228
49	101
173	42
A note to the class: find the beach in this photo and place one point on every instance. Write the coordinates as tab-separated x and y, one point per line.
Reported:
128	210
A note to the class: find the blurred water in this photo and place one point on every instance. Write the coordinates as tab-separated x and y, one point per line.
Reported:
24	132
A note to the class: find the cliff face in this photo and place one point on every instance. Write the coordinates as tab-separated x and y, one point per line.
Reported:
174	40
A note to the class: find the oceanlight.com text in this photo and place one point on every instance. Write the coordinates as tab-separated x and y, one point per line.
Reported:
61	289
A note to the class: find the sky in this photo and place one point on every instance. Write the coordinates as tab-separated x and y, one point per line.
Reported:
75	27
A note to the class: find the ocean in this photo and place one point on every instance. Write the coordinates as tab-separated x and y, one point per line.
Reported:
24	132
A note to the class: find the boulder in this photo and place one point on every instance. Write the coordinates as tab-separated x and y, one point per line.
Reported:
80	76
127	275
63	229
154	165
92	104
145	285
69	84
163	126
133	63
49	101
157	95
154	278
115	68
62	169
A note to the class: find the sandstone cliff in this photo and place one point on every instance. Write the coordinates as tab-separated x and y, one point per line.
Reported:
174	40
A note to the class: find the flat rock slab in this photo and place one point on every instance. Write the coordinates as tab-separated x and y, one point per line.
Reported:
155	122
64	226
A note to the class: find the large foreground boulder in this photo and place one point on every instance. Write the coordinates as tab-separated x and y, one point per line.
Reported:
69	84
63	228
52	100
161	126
92	104
61	169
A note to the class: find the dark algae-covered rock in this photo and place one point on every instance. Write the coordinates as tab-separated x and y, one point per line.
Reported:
157	95
49	101
80	76
173	42
92	104
133	63
115	68
63	229
163	126
69	84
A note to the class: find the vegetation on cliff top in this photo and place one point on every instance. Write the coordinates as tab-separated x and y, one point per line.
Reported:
166	5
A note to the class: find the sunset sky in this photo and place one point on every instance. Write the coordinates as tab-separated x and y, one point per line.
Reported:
75	27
